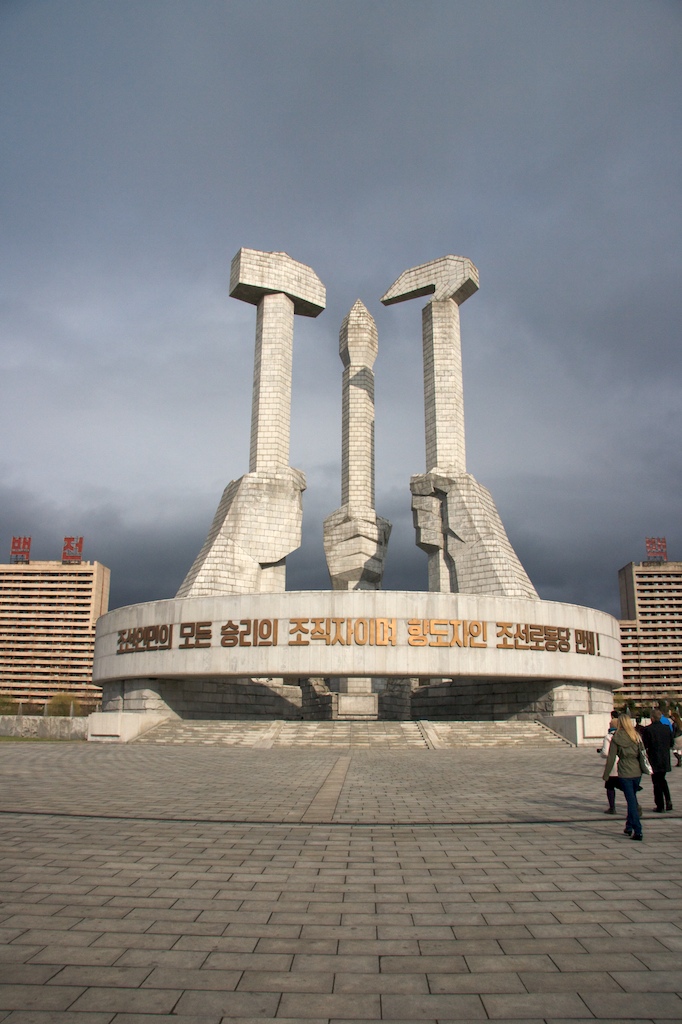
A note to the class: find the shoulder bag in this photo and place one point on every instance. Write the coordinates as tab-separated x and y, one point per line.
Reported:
644	762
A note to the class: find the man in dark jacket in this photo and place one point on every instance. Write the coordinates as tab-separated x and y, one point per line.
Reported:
658	740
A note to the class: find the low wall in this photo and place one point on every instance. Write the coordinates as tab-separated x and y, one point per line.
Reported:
583	730
122	726
43	727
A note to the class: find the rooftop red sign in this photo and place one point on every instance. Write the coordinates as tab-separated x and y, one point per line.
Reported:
73	549
21	549
656	549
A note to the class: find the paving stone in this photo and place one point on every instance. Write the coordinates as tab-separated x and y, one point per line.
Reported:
582	981
216	942
26	974
17	954
544	1005
361	983
335	964
249	961
126	940
159	958
106	977
49	1017
551	946
631	1005
432	1007
511	962
326	947
430	964
160	1018
37	997
229	1004
659	961
289	981
476	983
45	937
598	962
125	1000
460	947
309	1004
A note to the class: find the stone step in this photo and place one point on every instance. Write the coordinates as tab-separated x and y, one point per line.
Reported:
385	735
287	734
351	734
496	734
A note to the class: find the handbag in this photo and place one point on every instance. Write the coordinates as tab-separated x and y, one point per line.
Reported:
644	762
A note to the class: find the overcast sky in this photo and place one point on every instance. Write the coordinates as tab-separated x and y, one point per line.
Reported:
145	141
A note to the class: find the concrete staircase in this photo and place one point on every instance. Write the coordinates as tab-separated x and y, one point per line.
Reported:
493	734
377	735
267	734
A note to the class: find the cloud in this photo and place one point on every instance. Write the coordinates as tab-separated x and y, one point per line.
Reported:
145	144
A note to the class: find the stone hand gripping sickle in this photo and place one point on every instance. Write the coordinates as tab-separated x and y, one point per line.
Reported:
258	521
455	518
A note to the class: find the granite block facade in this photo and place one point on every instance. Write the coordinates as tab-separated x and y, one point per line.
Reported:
206	698
460	529
258	520
455	518
355	537
498	698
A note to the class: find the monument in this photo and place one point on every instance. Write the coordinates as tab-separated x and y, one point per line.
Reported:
355	538
234	643
455	517
258	521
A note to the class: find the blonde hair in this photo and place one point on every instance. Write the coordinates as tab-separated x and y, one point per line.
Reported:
625	724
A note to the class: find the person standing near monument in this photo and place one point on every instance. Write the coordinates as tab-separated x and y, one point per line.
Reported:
677	737
658	740
625	746
611	784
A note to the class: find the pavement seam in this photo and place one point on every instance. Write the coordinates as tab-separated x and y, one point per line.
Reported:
339	822
322	806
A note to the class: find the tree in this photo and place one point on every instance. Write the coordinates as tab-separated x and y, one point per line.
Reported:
59	706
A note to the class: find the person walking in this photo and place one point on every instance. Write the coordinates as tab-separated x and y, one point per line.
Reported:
611	784
625	746
658	740
677	737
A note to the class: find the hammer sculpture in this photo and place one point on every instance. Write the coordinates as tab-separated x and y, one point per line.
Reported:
455	518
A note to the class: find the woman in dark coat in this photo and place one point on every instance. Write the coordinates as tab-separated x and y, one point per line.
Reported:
625	746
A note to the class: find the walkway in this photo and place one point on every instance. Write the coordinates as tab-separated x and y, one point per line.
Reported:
197	885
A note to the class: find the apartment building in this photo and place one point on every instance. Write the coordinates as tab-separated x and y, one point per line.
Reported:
48	612
651	631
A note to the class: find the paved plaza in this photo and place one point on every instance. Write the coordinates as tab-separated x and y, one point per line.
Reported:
203	884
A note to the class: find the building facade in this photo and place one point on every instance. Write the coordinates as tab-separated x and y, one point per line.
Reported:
48	612
651	632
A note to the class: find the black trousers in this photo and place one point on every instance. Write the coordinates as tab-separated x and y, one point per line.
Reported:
661	791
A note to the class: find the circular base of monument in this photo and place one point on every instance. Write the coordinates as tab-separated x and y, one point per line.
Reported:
363	633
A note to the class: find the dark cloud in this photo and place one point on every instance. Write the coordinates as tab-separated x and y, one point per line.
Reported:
145	143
